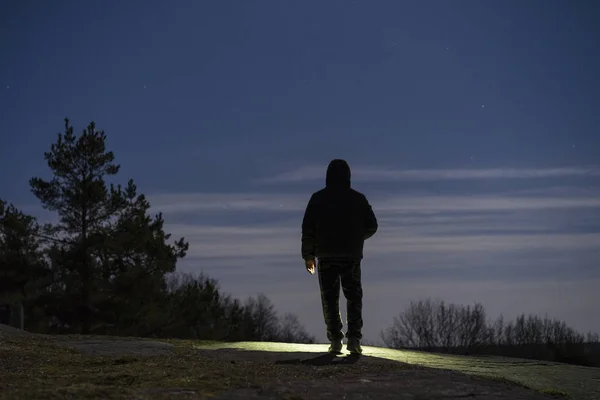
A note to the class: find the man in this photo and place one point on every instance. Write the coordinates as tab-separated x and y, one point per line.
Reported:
337	221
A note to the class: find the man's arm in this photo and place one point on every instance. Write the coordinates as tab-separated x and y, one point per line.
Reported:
370	220
309	228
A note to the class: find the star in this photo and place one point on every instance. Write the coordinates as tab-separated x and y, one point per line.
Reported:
483	106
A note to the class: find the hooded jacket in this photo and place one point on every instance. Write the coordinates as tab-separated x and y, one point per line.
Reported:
338	219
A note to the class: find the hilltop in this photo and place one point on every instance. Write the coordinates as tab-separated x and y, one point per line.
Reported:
72	366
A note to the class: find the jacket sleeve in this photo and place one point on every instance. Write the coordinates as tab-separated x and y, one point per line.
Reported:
370	221
309	228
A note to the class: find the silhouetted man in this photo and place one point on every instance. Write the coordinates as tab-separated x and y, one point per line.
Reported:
337	221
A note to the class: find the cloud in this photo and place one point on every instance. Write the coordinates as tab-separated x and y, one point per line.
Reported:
398	244
233	230
225	202
374	174
391	207
245	243
423	204
240	242
286	202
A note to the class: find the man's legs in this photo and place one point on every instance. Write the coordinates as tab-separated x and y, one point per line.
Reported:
352	287
329	282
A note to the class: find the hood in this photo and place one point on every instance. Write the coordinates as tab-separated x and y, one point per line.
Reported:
338	174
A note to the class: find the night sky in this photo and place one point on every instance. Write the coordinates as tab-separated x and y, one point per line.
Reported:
471	126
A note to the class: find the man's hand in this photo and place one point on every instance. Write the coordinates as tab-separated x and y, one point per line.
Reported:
310	266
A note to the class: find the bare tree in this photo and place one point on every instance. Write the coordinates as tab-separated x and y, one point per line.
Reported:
592	337
407	330
434	324
498	331
264	317
292	331
446	325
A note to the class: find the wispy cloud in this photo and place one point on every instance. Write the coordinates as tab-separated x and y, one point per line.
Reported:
199	202
472	243
282	202
262	243
419	204
238	241
440	224
385	205
373	174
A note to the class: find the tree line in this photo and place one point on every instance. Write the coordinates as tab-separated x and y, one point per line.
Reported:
108	267
433	325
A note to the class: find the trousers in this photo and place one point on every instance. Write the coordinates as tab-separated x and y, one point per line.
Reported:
332	273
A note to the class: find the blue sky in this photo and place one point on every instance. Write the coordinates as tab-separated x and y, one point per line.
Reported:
471	126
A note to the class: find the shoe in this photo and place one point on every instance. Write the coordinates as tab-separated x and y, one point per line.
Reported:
353	346
336	347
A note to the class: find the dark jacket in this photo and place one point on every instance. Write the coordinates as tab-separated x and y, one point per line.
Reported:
338	219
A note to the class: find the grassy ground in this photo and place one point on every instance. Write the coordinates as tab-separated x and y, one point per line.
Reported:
41	367
37	368
34	367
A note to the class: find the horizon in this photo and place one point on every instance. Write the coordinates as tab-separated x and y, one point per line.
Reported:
471	129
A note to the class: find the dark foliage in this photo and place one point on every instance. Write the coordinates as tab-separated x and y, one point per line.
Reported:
23	269
107	267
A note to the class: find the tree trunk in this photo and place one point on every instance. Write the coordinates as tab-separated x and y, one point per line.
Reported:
86	283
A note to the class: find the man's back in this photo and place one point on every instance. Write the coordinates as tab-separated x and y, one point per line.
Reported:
338	218
336	223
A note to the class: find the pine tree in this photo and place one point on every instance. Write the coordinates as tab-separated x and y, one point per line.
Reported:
112	245
24	272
